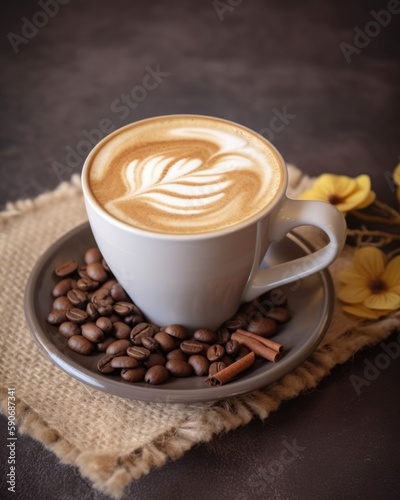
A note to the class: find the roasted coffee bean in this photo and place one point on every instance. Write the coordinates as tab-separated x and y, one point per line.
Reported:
155	358
133	319
233	324
118	293
102	346
138	352
248	308
141	330
77	315
57	316
244	351
167	343
278	297
133	374
109	284
124	308
68	329
105	324
62	303
200	364
105	265
101	296
82	272
114	317
121	330
192	346
92	255
63	286
77	297
265	327
92	311
177	331
205	335
118	347
92	332
150	343
156	374
179	368
216	367
177	354
105	310
96	272
279	314
227	360
87	284
124	362
232	348
215	352
66	268
104	364
80	344
223	335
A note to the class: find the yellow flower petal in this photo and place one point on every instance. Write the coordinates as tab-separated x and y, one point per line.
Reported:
368	200
313	194
398	193
391	276
369	262
396	175
363	312
353	294
363	182
352	277
387	300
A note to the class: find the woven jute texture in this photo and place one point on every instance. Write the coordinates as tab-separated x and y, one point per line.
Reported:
119	440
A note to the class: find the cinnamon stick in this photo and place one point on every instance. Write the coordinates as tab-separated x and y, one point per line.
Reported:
231	371
256	346
267	342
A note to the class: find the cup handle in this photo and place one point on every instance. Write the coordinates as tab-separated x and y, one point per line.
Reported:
291	214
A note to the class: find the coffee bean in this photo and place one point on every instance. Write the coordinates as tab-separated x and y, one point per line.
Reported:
77	297
105	324
68	329
265	327
177	331
232	348
233	324
80	344
87	284
118	347
121	330
82	272
192	347
77	315
200	364
124	308
96	272
105	310
133	319
118	293
57	316
92	255
133	374
141	330
92	311
150	343
124	362
62	303
92	332
138	352
216	367
104	364
179	368
102	346
156	374
177	354
205	335
63	286
167	343
244	351
155	358
66	268
247	308
223	335
279	314
109	284
215	352
227	360
101	296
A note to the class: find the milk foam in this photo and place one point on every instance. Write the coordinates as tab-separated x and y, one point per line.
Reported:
182	174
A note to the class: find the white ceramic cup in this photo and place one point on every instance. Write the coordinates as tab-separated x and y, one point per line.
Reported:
199	280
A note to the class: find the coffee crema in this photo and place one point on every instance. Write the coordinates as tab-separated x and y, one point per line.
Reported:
184	174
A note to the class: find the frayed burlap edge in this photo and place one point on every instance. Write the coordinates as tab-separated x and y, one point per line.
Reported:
111	473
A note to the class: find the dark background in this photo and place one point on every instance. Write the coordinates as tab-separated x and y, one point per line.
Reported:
262	57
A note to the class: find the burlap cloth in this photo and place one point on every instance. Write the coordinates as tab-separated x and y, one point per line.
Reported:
118	440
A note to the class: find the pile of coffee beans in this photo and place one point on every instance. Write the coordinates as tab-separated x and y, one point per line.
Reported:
94	313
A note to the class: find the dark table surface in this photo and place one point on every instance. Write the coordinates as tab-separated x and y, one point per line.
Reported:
244	60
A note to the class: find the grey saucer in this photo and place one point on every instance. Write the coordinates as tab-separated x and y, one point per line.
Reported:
310	303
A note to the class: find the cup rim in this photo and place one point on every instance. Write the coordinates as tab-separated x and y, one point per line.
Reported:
91	200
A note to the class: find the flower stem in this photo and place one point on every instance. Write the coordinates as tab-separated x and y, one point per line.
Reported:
390	215
373	238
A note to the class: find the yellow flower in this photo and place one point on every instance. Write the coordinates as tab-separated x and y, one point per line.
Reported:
344	192
371	287
396	178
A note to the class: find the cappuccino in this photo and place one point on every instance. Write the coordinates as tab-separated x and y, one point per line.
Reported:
184	174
